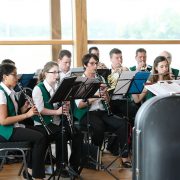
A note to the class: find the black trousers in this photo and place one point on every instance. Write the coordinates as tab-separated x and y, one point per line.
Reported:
61	140
38	141
124	108
101	122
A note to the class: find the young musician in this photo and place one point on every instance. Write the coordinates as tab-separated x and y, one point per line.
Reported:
51	115
10	130
160	72
175	73
97	115
121	105
64	62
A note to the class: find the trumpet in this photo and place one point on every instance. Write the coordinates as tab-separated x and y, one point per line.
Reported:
31	105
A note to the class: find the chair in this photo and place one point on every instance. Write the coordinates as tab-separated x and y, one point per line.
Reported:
23	147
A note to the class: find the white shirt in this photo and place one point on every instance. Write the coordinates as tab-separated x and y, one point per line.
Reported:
63	75
96	105
3	100
39	102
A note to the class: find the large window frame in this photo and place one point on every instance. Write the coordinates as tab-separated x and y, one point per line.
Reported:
80	40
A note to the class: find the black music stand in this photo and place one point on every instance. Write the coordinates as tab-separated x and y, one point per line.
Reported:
73	88
64	93
129	82
104	73
88	91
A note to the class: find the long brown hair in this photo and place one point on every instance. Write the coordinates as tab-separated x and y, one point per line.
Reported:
155	75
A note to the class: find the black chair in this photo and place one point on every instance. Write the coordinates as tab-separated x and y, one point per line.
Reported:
23	147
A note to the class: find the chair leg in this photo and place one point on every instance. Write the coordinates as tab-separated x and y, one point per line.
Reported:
3	159
51	158
24	164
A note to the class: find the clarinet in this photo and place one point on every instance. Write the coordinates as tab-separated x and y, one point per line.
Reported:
32	104
68	119
106	103
67	113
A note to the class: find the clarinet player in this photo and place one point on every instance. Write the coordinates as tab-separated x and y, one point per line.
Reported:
10	130
51	115
98	116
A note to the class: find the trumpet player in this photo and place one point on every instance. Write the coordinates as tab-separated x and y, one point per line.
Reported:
98	118
120	105
141	58
51	114
10	129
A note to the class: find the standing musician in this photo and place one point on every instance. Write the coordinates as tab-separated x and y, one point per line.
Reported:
50	112
97	115
10	130
160	72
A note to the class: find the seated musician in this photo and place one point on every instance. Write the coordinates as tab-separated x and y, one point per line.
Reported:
160	72
175	73
98	116
11	130
51	115
141	57
121	105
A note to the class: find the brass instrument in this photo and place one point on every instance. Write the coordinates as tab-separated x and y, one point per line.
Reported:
143	68
32	104
113	78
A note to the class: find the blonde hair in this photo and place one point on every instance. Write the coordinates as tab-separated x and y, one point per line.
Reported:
46	68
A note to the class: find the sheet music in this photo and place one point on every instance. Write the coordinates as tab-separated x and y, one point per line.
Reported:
124	82
164	87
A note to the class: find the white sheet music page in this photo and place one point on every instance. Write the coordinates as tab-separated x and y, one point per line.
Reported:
164	87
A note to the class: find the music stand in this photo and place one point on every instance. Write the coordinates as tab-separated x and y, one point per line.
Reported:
63	93
69	89
129	82
138	82
104	73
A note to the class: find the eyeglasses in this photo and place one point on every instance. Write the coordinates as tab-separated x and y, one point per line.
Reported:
54	72
14	74
93	63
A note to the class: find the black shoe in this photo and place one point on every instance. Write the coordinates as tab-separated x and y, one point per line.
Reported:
114	152
127	164
62	172
75	171
25	177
